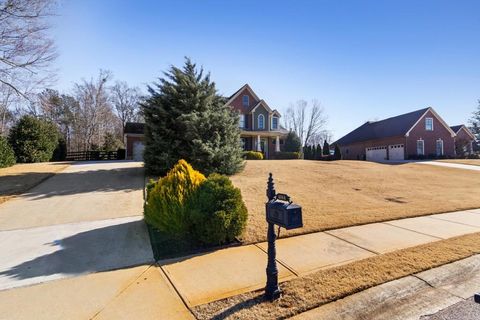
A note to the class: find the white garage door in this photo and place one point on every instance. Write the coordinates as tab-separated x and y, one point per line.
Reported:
395	152
377	153
138	147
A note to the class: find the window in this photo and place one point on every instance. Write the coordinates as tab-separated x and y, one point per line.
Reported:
274	123
429	124
243	143
439	147
242	121
245	101
261	122
420	148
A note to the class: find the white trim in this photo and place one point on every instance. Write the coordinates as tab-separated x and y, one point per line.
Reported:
467	131
423	147
443	151
271	123
277	113
435	114
426	119
245	86
242	119
269	110
263	121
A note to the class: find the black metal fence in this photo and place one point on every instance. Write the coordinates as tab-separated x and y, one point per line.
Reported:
95	155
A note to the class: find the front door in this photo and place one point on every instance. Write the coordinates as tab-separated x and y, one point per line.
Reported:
264	147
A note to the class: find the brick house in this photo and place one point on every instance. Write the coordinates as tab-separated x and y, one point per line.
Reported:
260	125
464	140
133	139
417	134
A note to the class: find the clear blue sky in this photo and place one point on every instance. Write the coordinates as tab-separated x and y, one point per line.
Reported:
363	60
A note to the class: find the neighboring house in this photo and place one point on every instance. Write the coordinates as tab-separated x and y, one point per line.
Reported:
260	125
134	140
464	140
417	134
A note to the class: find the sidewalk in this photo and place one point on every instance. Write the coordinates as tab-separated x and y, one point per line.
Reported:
208	277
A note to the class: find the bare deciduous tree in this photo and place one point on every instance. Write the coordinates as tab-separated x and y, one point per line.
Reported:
126	100
306	120
26	50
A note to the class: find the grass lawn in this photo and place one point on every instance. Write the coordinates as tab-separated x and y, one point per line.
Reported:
344	193
19	178
472	162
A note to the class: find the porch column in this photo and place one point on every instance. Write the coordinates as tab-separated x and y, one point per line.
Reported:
277	144
259	147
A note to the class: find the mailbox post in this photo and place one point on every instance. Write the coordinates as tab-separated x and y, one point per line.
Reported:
282	212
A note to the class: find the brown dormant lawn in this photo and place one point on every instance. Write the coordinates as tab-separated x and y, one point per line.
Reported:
345	193
19	178
472	162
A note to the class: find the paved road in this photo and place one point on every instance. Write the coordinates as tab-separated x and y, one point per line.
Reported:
450	165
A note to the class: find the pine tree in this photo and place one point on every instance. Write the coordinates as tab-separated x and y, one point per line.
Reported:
186	119
318	155
475	122
326	148
338	154
292	142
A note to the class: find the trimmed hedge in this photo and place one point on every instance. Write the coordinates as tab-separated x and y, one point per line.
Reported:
253	155
286	155
7	156
217	211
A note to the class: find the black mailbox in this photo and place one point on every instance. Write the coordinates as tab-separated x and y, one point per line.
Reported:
282	212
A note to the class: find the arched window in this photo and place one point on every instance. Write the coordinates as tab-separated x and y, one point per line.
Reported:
261	121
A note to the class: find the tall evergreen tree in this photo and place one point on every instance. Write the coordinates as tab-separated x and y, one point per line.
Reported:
475	122
185	118
326	148
338	154
318	154
292	142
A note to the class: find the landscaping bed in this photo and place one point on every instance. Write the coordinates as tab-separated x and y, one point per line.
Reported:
20	178
345	193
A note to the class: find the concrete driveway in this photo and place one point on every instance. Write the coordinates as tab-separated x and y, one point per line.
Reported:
85	191
85	219
451	165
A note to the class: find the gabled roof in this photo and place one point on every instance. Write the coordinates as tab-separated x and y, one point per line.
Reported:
237	93
459	127
134	127
259	103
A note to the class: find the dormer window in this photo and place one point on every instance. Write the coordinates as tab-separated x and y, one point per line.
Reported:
261	121
274	123
245	100
429	124
242	121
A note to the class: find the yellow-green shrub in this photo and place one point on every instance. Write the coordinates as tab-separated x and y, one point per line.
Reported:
165	207
253	155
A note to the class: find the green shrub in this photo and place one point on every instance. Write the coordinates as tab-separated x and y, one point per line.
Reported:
165	207
217	211
338	154
286	155
7	156
60	152
253	155
292	142
33	140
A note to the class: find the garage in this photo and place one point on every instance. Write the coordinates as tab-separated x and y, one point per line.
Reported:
138	148
396	152
377	153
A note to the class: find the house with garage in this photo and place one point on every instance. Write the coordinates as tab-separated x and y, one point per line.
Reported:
133	139
418	134
464	140
259	123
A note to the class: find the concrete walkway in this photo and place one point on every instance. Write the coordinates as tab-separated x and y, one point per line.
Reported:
408	298
451	165
204	278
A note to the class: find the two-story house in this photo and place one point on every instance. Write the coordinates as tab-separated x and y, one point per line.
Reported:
260	125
